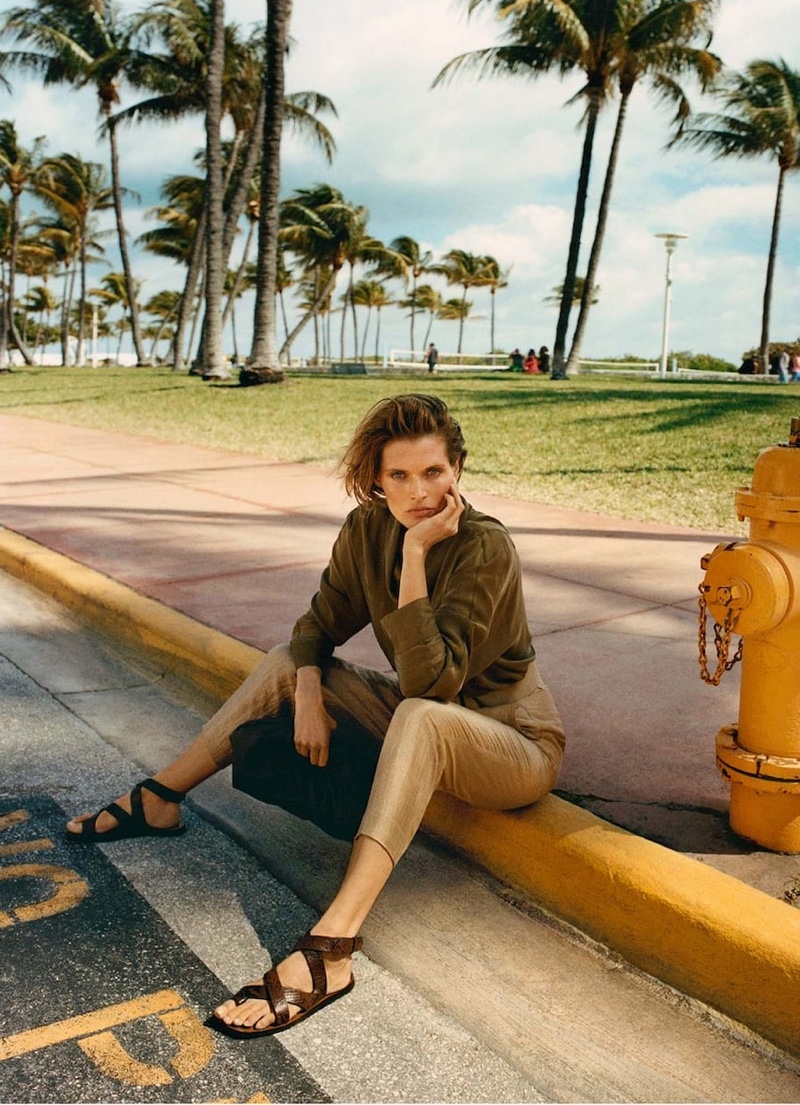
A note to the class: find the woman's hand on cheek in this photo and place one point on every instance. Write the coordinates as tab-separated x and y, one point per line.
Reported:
439	526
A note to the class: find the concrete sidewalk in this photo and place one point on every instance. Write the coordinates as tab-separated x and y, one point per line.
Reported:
237	543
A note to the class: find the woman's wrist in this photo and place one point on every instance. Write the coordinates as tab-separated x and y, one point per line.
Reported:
309	684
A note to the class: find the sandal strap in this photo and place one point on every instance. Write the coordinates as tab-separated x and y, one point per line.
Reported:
333	945
119	813
162	791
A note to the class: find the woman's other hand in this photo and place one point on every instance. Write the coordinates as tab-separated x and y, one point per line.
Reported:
313	724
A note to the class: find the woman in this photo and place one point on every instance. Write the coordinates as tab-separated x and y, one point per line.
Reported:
465	711
532	363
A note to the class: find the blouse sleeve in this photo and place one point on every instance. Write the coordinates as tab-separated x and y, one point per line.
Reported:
337	611
438	641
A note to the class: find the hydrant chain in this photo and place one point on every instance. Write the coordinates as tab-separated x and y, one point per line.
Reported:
722	643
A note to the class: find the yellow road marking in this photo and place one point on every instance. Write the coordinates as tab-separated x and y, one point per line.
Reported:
26	846
195	1049
70	889
34	1039
16	817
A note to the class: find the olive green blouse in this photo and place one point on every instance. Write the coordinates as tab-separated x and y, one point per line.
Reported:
469	642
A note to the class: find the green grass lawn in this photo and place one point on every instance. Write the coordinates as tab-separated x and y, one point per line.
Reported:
661	451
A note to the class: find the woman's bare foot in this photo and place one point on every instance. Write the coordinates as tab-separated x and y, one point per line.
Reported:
294	974
159	813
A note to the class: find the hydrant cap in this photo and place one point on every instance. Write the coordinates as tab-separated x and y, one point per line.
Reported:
750	582
777	471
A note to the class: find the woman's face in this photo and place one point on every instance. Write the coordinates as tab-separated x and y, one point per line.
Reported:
415	475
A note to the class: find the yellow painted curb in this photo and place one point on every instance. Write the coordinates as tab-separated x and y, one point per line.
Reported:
708	934
180	645
703	932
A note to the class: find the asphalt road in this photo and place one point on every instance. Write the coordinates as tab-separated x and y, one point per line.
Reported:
111	958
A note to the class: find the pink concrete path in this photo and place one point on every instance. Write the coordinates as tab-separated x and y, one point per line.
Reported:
238	542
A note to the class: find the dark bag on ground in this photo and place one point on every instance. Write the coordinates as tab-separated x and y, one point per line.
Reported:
267	766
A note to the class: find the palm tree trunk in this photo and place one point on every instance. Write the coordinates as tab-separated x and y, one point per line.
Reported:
599	234
428	330
324	293
491	335
212	332
413	308
12	272
285	323
461	318
578	216
81	354
238	199
66	309
264	352
130	283
5	360
196	312
237	280
364	336
773	252
377	335
193	272
355	316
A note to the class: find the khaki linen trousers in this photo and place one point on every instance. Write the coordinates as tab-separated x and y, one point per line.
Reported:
497	757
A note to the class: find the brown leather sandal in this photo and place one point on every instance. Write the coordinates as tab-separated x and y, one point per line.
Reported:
279	998
129	824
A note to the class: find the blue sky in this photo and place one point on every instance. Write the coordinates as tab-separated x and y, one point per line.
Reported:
490	167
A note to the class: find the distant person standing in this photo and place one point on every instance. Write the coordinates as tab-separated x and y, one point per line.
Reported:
779	365
794	365
433	357
784	361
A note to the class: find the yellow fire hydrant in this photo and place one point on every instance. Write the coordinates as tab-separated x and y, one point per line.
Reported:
752	589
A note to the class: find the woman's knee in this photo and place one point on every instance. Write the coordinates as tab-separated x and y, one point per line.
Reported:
416	723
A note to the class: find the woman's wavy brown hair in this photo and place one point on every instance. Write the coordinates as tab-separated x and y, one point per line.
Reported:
402	416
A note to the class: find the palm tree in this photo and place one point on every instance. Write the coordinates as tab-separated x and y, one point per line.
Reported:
469	271
163	306
371	294
76	190
82	42
284	279
316	227
563	36
113	292
176	77
19	169
360	247
41	301
495	278
654	45
452	309
554	300
425	298
761	118
314	303
410	261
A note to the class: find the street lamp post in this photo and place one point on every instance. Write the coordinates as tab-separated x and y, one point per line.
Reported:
670	241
